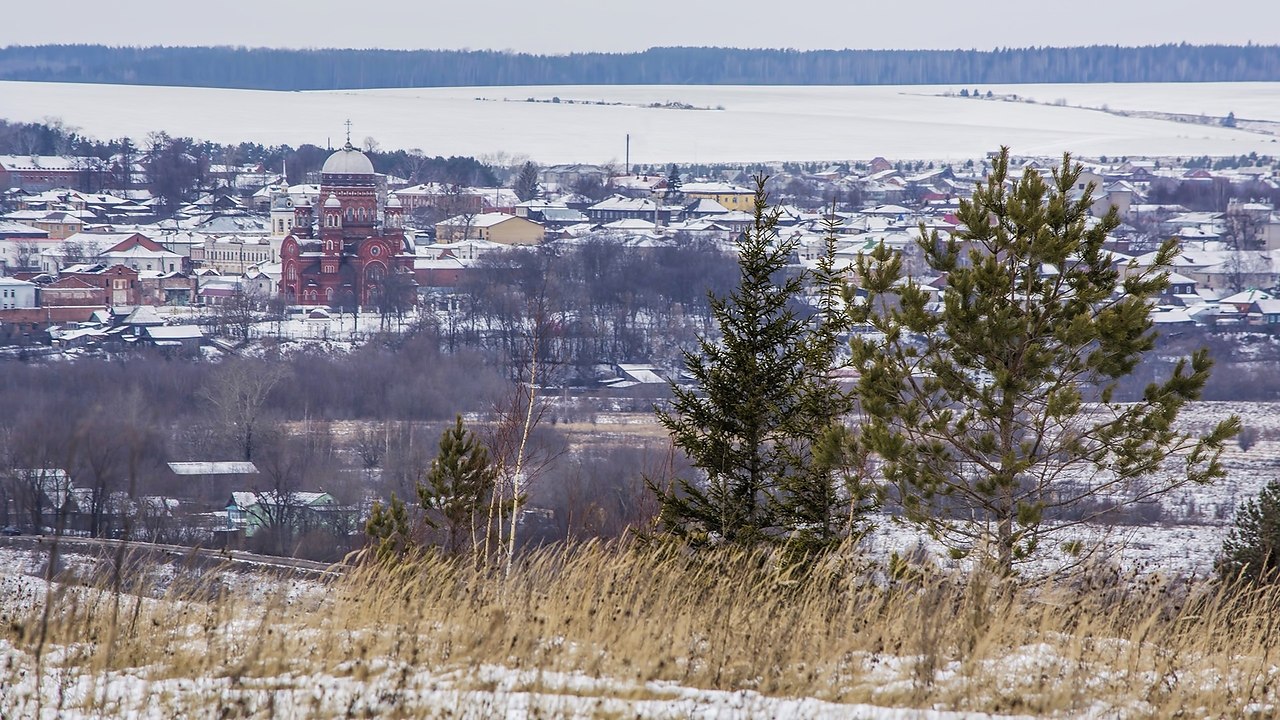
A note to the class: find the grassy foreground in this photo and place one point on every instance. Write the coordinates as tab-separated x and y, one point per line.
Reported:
595	631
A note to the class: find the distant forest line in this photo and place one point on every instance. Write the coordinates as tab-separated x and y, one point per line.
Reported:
332	69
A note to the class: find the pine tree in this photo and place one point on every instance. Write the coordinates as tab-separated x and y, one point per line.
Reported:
994	415
526	182
761	396
458	485
388	530
1250	552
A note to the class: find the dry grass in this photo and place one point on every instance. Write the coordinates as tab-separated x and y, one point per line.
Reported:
598	631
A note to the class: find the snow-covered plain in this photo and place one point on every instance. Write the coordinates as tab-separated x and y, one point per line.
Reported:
731	124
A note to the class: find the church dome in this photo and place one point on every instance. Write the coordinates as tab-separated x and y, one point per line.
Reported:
332	202
347	161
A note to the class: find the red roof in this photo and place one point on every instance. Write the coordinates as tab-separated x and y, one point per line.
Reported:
135	240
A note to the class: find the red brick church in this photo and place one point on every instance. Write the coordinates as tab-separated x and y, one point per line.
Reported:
339	254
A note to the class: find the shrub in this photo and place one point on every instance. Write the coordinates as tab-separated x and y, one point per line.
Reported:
1249	552
1247	438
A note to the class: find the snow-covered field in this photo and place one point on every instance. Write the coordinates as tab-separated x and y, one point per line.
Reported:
1193	520
734	123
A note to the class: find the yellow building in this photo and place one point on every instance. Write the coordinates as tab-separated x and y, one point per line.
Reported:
732	197
494	227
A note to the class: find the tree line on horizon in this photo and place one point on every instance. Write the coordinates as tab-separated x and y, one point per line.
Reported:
328	69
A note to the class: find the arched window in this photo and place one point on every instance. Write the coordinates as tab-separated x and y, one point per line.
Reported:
328	295
350	215
360	214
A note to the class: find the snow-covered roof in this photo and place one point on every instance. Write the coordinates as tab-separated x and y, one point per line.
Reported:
144	315
483	220
1249	296
631	224
213	468
13	228
41	162
621	203
243	499
175	332
706	206
645	374
714	188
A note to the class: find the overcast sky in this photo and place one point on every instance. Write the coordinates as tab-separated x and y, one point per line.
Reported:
562	26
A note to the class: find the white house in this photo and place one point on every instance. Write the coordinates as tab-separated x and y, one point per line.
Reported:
16	294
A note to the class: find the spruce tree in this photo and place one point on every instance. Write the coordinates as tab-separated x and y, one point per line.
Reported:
761	395
459	484
526	182
826	499
673	193
993	415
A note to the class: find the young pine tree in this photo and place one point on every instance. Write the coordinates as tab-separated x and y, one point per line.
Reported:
993	415
388	530
458	486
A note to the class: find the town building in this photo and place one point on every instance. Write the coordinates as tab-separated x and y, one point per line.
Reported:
16	294
44	172
494	227
732	197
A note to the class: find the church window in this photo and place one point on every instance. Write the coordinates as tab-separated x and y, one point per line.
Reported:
350	215
328	295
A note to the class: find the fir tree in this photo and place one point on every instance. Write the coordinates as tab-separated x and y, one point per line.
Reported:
673	185
761	395
459	484
994	414
526	182
826	499
1250	551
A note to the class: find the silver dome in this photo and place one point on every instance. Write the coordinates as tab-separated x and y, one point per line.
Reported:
348	161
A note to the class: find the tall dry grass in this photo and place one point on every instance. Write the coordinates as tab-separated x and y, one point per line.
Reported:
388	640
